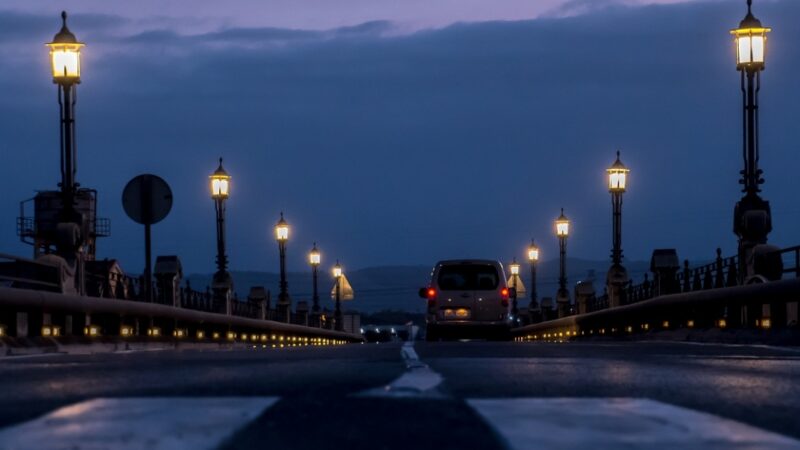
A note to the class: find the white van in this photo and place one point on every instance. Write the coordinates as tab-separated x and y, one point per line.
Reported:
467	298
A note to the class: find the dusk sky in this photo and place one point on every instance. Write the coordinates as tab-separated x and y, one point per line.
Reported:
405	132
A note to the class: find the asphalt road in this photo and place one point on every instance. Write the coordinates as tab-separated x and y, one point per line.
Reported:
433	395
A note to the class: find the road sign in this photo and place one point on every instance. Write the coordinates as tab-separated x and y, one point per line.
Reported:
147	199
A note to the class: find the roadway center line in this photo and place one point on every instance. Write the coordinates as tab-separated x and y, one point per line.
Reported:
419	380
156	423
612	423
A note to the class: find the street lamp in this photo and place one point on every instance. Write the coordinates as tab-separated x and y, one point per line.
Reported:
282	236
562	232
337	275
533	259
65	61
617	275
220	191
752	215
314	259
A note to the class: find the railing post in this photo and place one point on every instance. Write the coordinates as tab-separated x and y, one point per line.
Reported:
719	280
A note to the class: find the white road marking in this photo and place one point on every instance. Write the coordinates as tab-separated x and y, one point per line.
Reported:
419	380
135	423
613	423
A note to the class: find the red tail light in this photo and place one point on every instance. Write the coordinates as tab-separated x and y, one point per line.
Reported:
431	297
504	296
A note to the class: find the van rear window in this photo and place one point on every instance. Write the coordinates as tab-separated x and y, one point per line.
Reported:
468	277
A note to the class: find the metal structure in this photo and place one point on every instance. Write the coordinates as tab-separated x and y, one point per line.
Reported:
752	220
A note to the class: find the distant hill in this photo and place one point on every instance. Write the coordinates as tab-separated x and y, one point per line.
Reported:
395	287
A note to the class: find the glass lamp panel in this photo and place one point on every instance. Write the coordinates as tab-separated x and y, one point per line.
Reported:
337	272
757	47
282	232
65	60
314	258
219	187
743	45
514	269
562	228
616	180
533	254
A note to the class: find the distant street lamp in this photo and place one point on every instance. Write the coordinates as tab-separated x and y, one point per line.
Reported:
514	267
220	191
562	232
282	236
337	275
65	60
314	259
617	275
752	215
533	259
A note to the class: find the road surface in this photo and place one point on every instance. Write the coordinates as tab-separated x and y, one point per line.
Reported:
459	395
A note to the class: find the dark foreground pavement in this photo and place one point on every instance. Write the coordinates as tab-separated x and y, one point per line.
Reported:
336	397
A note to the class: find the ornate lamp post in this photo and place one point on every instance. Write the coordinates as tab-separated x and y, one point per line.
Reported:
562	296
337	275
752	219
314	259
282	236
220	183
617	275
533	308
65	61
514	267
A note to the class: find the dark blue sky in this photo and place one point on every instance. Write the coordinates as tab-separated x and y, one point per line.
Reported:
395	147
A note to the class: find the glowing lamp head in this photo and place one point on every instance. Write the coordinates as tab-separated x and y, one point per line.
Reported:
562	225
313	256
617	176
514	268
282	230
533	252
751	42
65	55
220	183
337	270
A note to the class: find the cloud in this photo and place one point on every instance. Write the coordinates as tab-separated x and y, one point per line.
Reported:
405	148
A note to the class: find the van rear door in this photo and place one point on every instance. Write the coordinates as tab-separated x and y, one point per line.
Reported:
488	301
456	283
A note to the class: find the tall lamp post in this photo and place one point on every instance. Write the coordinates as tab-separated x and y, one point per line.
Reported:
337	317
752	219
562	296
314	259
220	183
514	266
533	308
617	276
284	303
65	60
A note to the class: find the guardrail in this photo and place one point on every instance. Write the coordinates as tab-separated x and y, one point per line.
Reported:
725	307
57	314
115	306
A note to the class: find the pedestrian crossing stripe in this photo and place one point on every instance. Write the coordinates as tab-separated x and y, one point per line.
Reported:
155	423
613	423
